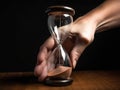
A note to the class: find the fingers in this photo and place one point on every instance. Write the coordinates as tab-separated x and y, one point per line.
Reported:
41	68
77	51
49	44
41	55
41	71
45	49
76	43
43	74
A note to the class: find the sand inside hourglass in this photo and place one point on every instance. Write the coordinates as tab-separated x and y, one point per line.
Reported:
62	72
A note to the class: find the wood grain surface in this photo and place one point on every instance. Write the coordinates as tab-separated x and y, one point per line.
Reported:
82	80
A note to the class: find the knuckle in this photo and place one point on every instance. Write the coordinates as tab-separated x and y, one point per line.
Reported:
86	39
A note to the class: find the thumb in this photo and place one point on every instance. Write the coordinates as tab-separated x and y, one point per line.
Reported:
76	53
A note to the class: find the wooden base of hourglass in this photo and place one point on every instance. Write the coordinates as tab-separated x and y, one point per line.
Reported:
59	76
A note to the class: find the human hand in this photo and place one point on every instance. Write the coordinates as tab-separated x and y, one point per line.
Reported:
80	34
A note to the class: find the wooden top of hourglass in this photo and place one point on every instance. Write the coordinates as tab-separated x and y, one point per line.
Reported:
57	10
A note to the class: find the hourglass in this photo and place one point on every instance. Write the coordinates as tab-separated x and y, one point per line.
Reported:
59	63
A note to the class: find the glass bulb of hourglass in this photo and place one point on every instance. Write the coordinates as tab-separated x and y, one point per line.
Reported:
59	63
59	59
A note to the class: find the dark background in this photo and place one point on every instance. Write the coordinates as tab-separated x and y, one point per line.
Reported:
32	31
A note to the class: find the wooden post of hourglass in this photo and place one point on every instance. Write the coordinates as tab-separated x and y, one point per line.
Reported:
59	63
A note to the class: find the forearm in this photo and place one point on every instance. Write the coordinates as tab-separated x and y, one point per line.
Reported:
105	16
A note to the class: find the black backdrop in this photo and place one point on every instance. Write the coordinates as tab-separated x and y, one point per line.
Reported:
32	31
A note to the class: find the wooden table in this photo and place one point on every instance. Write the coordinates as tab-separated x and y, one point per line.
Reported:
83	80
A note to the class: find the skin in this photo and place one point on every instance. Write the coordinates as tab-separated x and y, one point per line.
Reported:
81	34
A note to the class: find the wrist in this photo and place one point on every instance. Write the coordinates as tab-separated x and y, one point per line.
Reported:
106	16
96	18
